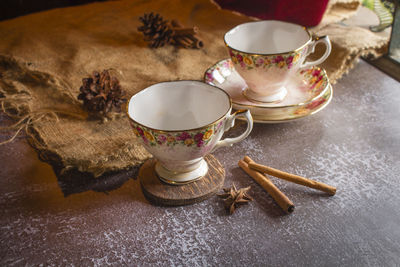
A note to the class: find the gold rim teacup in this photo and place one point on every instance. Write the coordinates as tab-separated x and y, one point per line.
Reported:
180	122
266	53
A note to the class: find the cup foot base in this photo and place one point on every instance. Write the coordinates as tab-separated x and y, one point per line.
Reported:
160	193
176	178
254	97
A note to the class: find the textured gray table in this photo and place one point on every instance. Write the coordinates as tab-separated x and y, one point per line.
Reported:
353	144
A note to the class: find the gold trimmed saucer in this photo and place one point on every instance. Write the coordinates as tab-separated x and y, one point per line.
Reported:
309	91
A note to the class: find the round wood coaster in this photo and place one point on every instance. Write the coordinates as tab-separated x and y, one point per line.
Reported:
161	193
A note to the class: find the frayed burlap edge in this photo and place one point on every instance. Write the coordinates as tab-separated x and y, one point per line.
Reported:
44	108
348	45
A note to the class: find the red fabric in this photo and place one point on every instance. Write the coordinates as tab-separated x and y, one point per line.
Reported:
304	12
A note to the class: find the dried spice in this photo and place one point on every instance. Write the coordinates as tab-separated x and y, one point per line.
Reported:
101	94
159	32
234	198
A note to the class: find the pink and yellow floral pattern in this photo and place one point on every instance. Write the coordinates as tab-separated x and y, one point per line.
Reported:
313	105
222	65
251	61
195	138
316	79
313	82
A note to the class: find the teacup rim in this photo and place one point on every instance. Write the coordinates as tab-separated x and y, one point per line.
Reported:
270	54
182	130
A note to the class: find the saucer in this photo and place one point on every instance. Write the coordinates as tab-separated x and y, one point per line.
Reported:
309	91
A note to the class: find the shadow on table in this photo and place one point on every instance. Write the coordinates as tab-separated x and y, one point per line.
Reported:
73	181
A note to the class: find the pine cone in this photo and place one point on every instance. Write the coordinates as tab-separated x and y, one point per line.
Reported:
101	93
155	29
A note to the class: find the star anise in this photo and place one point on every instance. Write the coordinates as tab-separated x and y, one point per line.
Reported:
234	198
101	93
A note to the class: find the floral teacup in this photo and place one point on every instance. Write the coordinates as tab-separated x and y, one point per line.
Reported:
266	53
180	122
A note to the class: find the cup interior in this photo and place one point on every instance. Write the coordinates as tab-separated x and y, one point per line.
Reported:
267	37
178	105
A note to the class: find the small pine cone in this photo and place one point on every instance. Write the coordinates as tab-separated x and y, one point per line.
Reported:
155	29
101	93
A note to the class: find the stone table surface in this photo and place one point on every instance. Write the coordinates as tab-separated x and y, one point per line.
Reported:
353	144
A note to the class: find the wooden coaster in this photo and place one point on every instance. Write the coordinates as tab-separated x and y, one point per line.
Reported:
161	193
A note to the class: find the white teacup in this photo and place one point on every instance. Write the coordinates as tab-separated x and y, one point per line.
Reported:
180	122
266	53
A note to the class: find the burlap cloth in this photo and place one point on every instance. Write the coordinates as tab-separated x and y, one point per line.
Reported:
44	56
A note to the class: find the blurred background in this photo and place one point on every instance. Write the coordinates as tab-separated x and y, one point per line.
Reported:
14	8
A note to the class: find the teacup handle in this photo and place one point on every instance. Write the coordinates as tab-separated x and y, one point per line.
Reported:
229	124
322	39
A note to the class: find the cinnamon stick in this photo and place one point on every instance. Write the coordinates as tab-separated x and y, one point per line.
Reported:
182	41
185	36
291	177
187	42
197	42
266	183
184	31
